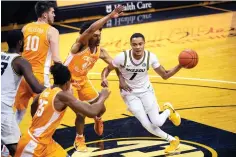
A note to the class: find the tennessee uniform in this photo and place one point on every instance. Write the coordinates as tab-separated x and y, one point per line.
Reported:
38	141
79	65
37	52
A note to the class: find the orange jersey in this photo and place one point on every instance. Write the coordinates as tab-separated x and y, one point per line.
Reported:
80	64
36	47
46	118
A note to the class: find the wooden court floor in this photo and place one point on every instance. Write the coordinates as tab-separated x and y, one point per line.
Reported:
205	96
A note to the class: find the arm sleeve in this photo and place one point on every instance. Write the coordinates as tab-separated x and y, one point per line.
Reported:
119	60
154	61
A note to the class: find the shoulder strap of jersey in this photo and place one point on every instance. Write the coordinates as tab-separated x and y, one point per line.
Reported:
125	62
148	59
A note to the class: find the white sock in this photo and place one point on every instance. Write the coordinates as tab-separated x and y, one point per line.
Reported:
169	138
19	115
98	118
78	135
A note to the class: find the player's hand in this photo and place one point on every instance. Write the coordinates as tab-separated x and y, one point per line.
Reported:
123	85
104	83
118	11
105	93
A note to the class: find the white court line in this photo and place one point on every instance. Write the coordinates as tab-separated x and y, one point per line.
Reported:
180	78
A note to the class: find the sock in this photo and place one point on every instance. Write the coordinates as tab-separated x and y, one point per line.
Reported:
167	112
169	138
78	135
98	118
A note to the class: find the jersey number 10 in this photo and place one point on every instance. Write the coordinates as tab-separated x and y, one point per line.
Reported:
32	43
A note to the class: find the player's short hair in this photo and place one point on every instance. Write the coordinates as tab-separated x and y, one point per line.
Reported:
42	7
61	73
14	37
85	26
137	35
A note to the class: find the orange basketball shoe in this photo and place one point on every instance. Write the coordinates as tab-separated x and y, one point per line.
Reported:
79	144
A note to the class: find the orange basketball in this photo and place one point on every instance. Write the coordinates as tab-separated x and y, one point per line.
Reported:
188	58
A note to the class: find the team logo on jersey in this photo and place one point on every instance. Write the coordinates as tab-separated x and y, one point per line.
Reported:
144	64
143	146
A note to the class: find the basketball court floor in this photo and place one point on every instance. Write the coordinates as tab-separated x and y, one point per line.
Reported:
205	96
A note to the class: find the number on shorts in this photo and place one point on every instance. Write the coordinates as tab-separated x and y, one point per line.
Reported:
41	107
32	43
3	67
133	76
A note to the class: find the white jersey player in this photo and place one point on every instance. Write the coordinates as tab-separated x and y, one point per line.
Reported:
13	67
137	91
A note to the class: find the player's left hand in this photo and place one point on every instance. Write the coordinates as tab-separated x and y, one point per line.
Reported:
123	85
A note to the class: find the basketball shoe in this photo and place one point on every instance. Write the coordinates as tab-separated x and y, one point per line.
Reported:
174	116
174	145
79	144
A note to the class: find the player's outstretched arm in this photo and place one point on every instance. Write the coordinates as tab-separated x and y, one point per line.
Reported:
87	34
80	107
107	58
165	74
105	72
23	67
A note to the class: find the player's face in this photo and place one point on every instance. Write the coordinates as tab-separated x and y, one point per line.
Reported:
51	15
96	38
137	45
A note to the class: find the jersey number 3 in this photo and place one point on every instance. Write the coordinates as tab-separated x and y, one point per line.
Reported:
32	43
41	107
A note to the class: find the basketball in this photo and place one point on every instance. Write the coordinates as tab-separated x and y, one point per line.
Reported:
188	58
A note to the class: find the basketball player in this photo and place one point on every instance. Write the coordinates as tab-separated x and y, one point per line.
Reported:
84	54
138	94
13	67
40	48
48	109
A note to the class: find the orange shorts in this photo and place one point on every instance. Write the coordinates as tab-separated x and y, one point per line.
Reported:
24	92
29	147
86	92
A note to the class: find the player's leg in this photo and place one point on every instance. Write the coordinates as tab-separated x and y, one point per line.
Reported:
152	110
136	107
24	93
91	96
10	132
28	147
86	93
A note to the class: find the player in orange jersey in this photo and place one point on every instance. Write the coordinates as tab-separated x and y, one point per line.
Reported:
84	54
40	48
48	109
